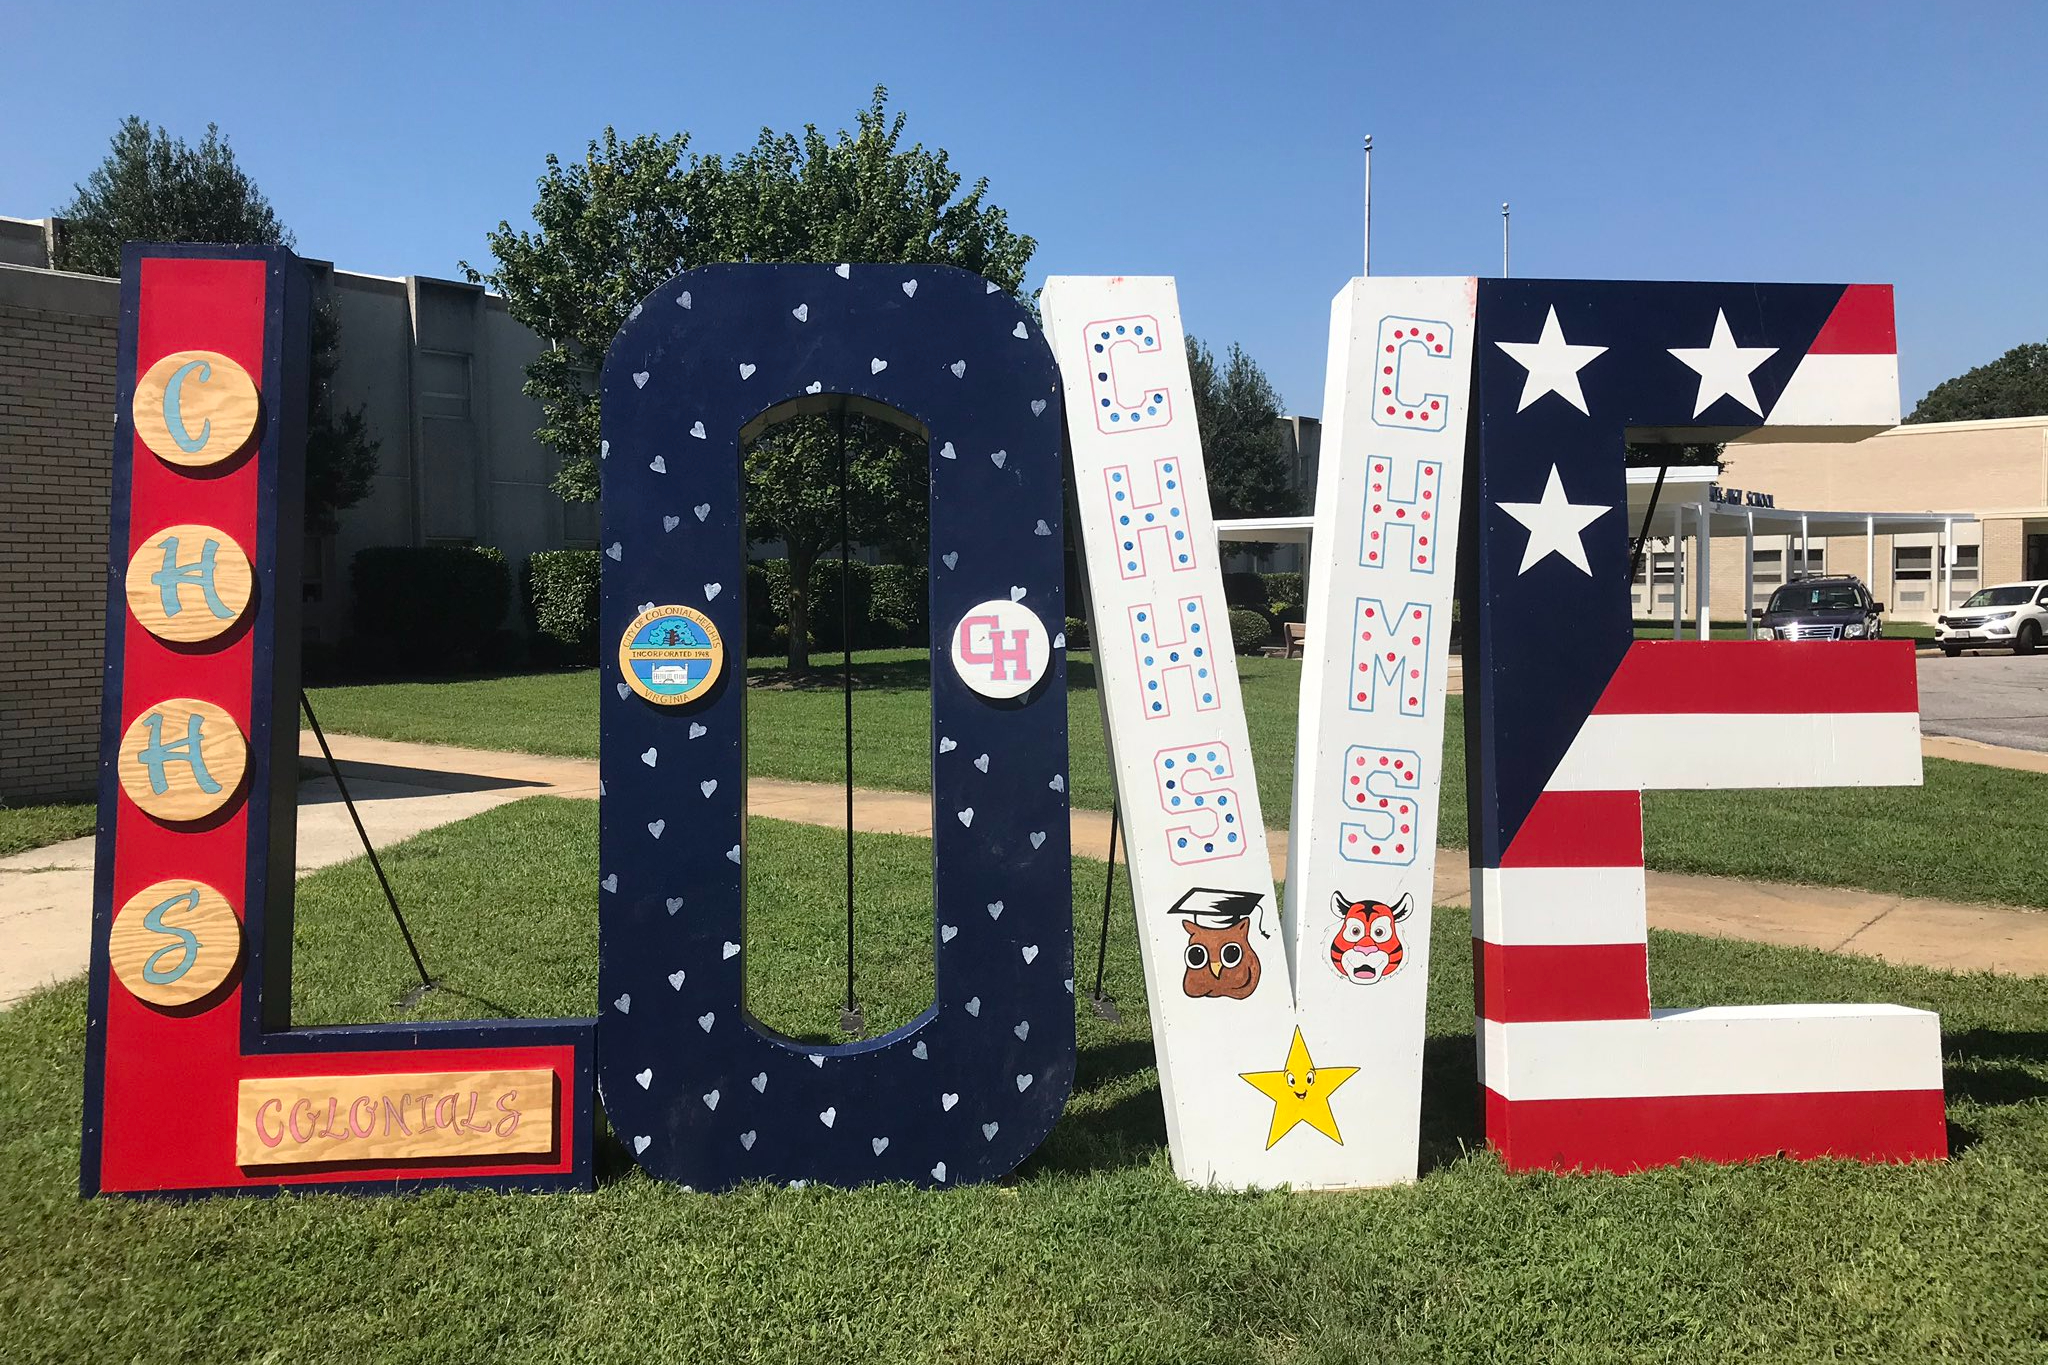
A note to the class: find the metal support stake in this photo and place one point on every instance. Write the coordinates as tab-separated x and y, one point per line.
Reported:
1102	1005
390	897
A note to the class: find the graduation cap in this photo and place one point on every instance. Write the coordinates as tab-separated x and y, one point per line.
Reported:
1213	909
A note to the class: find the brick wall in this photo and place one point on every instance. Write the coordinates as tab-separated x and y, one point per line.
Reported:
56	420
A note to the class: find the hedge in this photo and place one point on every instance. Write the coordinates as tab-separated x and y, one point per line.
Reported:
1245	590
430	606
1250	631
1284	587
561	600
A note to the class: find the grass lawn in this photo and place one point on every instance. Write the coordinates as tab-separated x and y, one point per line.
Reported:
1092	1252
26	827
1901	841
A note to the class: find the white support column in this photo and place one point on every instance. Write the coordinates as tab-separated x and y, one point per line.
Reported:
1749	572
1805	546
1678	571
1948	566
1703	581
1870	554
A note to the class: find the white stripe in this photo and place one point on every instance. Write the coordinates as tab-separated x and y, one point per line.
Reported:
1690	752
1721	1050
1835	391
1526	906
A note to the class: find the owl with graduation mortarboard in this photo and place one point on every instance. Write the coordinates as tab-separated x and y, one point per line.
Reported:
1219	958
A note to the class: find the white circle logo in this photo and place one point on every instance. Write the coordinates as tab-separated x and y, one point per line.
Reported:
1000	649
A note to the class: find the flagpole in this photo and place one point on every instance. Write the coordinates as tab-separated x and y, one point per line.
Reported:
1503	239
1365	258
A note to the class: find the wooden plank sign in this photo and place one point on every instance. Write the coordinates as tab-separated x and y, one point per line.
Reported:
296	1120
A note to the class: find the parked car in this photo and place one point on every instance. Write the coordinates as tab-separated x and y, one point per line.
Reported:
1832	608
2010	616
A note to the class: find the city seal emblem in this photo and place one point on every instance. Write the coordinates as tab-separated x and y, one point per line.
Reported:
671	655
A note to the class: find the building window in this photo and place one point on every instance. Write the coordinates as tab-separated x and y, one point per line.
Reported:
1663	564
444	385
1964	574
1767	571
1815	565
1912	576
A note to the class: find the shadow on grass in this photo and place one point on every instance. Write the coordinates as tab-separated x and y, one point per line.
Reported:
879	675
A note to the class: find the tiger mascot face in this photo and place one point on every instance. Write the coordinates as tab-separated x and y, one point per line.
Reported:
1367	946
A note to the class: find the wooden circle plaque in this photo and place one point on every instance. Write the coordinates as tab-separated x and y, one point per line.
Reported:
175	942
182	759
189	583
195	408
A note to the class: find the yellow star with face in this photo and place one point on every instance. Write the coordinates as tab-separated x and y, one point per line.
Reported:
1301	1093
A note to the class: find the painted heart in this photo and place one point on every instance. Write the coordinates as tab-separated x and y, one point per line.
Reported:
967	817
830	1116
817	1059
649	757
624	690
1038	407
675	979
814	387
798	1184
947	932
675	903
615	551
697	731
708	786
659	464
1023	1029
995	909
747	1140
989	1130
610	883
746	371
760	1084
730	951
1016	593
982	763
646	1078
655	827
600	786
919	1051
670	523
1023	1083
641	1144
947	746
997	457
946	452
624	1004
974	1007
711	591
702	509
1058	783
643	607
1030	952
1059	641
939	1172
1070	985
880	1145
711	1100
877	365
1019	332
1041	529
683	299
1038	838
844	272
802	312
697	430
910	289
959	369
604	450
640	379
733	853
989	286
950	558
707	1019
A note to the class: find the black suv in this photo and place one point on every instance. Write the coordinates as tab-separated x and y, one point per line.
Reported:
1835	608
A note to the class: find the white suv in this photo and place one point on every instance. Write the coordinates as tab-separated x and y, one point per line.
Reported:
2010	616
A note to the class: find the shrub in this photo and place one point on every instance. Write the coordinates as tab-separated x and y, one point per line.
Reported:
826	622
1249	630
1077	633
561	600
897	603
1244	589
429	606
1284	587
760	612
1287	611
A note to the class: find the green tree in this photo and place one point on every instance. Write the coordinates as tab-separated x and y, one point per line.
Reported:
155	188
2014	385
1237	412
629	214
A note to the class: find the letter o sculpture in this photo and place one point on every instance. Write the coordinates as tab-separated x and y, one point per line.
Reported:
697	1089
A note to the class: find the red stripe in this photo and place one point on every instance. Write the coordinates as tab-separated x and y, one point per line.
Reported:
1860	325
1546	983
1579	829
1622	1135
1762	677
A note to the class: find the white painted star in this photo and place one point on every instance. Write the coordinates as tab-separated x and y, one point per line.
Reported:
1553	365
1555	525
1724	368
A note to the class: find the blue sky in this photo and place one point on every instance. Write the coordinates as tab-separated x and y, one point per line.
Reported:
1218	143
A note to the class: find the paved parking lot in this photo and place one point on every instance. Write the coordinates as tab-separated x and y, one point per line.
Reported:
1992	698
